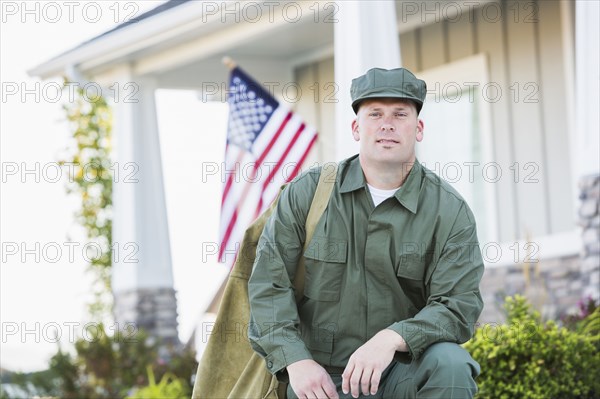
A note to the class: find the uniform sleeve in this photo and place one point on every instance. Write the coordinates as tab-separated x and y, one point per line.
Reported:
274	322
454	303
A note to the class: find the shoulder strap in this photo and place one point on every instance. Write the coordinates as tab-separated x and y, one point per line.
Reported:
317	207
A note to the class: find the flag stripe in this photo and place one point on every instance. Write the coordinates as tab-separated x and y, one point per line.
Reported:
302	159
275	137
264	140
227	234
231	176
236	212
277	166
300	152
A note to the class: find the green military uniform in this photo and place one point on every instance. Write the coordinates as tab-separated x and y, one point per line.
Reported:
411	264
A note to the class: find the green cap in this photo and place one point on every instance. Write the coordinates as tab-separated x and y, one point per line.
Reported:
384	83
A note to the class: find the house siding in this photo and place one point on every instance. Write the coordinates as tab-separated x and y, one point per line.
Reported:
529	120
317	105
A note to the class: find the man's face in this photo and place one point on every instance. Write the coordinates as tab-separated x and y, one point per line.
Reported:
387	130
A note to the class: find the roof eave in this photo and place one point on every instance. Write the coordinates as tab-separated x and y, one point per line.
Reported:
122	43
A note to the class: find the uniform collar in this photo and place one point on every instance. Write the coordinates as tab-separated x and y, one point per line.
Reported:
408	195
354	179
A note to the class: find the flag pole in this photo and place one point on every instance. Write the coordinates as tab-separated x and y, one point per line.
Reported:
229	63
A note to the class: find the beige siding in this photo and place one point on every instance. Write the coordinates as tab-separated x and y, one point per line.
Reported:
305	77
432	46
460	39
316	105
408	51
328	97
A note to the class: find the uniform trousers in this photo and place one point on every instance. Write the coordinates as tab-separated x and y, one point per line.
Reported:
445	371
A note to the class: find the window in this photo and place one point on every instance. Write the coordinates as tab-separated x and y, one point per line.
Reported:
457	137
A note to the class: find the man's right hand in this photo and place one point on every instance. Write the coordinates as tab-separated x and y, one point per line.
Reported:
310	381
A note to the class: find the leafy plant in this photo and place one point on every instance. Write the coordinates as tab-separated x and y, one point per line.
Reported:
114	363
584	318
169	387
529	359
90	177
109	366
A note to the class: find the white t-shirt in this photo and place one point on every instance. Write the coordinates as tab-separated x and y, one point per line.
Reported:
379	195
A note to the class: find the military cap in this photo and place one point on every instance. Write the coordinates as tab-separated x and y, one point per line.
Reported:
383	83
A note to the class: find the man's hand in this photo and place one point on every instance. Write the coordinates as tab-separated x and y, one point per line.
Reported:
368	362
310	381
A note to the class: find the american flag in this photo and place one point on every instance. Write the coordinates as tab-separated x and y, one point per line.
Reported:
266	146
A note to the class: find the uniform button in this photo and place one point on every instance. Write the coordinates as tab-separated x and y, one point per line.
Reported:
270	364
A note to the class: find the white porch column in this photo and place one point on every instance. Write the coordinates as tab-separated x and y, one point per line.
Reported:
587	132
142	277
365	36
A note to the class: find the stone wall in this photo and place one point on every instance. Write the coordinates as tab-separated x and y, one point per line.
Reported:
553	286
151	309
589	220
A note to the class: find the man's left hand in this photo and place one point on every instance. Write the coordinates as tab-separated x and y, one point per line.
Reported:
367	363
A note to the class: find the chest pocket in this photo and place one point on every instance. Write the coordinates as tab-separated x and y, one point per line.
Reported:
411	274
325	261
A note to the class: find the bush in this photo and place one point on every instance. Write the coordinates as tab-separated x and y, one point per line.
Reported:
169	387
110	366
580	321
528	359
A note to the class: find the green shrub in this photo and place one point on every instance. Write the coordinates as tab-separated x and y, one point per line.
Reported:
528	359
169	387
581	321
110	366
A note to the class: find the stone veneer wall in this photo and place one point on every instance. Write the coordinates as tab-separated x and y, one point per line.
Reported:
553	286
151	309
589	220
